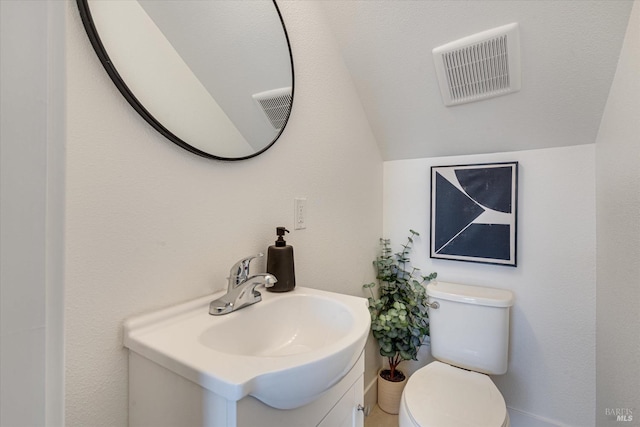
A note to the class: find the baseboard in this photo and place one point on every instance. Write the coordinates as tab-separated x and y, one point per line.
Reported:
520	418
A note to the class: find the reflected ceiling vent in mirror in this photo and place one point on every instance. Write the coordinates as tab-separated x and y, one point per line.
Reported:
275	104
480	66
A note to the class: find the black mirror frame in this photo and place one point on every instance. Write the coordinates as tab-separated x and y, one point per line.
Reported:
98	47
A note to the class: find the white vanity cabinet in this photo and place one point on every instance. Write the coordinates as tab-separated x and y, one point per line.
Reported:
159	397
349	411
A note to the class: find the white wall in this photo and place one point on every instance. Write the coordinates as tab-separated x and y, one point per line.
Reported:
23	138
618	211
149	224
31	87
551	376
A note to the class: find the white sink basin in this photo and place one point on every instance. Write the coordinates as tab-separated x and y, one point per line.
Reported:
285	350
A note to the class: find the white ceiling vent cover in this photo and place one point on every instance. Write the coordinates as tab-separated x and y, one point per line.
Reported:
480	66
275	104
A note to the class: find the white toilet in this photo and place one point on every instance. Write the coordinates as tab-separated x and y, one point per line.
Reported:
469	339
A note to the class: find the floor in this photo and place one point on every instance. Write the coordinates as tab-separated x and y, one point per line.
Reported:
379	418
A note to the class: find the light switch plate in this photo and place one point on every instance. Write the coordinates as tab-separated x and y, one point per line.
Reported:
300	214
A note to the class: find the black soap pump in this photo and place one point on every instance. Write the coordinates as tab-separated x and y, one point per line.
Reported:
280	263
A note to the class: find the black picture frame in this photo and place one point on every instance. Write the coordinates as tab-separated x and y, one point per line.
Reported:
474	213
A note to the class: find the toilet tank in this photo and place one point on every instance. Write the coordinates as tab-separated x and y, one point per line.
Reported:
470	327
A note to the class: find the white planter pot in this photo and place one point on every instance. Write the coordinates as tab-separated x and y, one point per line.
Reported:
389	394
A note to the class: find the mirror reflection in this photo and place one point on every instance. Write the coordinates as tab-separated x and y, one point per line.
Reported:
213	76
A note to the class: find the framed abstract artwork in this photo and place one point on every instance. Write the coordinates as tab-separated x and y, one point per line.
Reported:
474	213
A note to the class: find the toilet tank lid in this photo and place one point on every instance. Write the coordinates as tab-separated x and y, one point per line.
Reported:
478	295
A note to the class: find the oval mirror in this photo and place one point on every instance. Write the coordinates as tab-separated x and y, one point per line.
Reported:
213	76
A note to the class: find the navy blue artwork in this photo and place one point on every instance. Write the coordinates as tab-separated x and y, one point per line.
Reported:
473	213
489	186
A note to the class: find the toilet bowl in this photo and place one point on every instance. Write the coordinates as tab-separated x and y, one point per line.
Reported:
441	395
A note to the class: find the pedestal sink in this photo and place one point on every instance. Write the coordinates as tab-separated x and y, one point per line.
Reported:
286	350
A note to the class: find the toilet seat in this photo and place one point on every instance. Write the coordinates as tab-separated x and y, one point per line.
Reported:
441	395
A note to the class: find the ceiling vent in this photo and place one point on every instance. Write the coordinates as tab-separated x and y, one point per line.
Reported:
275	104
480	66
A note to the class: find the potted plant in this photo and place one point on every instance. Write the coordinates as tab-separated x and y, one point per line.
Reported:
399	318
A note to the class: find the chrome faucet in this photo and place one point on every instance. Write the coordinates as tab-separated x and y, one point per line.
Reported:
241	290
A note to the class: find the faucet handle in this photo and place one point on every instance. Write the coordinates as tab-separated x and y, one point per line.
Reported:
240	270
269	280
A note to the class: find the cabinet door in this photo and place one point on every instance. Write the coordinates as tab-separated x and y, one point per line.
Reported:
345	413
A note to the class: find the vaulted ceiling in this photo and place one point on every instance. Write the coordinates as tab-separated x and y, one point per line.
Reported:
569	53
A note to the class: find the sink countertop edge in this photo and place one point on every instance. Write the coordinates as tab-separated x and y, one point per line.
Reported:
137	326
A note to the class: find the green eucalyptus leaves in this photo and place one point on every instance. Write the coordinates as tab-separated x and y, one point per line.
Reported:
399	319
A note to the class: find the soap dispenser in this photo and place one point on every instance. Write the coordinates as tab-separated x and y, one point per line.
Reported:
280	263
